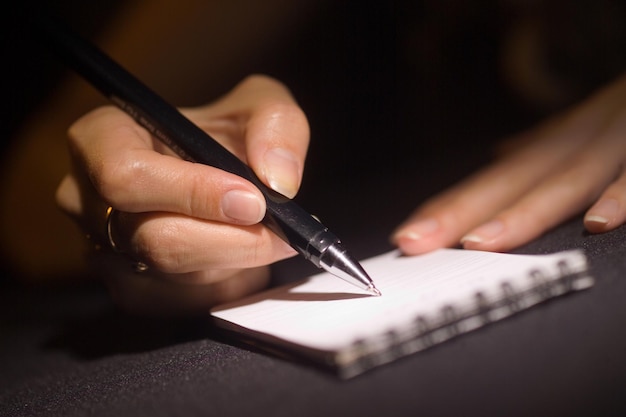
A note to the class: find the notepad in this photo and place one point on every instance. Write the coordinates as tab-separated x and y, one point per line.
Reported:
427	299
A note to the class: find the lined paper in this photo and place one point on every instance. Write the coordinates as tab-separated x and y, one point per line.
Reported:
327	314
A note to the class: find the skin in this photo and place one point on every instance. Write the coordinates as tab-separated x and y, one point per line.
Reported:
197	227
572	162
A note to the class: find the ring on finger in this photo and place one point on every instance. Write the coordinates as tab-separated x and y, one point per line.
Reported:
109	219
138	266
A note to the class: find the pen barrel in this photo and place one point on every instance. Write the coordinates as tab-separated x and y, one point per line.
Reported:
297	227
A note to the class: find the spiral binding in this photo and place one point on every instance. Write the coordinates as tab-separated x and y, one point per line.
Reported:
425	332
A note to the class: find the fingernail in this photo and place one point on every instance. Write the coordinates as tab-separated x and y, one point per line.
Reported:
282	171
485	232
418	230
242	206
603	211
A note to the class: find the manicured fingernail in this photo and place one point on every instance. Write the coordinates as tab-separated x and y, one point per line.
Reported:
282	171
603	211
242	206
418	230
485	232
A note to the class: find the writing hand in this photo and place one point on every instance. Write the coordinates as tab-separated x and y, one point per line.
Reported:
196	227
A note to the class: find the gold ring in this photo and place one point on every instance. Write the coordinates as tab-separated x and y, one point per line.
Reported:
139	267
109	217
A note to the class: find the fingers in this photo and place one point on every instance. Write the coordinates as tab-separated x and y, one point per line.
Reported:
446	218
276	130
259	121
551	174
609	211
277	141
483	215
193	264
195	226
578	183
170	242
558	198
130	176
176	244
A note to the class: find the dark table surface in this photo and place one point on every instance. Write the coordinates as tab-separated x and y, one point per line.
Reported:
69	352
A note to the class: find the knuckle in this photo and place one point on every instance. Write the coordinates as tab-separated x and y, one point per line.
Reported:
256	252
262	80
200	198
114	179
282	120
283	109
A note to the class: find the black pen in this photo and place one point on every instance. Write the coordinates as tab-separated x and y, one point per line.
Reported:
283	216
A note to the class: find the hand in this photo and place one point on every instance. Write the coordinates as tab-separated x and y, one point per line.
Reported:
544	177
196	227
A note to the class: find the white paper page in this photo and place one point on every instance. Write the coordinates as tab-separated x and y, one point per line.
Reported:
327	313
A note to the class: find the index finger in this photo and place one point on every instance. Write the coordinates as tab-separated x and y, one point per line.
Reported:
120	159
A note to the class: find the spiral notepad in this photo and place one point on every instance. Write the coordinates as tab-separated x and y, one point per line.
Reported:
426	300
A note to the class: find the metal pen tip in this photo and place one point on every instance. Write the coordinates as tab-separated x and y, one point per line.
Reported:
375	291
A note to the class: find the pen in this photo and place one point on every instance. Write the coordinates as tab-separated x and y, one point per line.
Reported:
283	216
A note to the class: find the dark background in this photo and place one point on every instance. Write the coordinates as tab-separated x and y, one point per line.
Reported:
397	92
404	98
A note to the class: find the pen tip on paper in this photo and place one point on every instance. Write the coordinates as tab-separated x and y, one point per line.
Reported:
374	291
